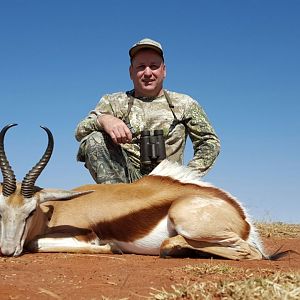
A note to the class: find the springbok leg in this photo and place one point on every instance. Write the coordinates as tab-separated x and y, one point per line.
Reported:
232	248
70	245
210	225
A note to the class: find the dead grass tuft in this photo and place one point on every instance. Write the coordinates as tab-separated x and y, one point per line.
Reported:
276	286
222	270
278	229
209	269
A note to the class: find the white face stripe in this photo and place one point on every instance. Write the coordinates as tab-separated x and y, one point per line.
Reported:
13	225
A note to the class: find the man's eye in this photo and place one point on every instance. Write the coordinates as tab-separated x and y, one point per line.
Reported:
154	67
140	67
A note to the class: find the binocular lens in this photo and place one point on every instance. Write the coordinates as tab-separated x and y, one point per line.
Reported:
152	147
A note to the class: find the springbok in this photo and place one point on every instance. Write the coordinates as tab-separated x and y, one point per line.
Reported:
167	213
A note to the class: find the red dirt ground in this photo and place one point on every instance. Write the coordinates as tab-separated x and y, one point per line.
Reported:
84	276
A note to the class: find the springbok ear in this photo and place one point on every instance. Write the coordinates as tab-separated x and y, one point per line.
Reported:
55	195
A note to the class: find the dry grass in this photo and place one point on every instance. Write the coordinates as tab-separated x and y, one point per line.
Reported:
222	270
278	229
268	284
208	269
276	286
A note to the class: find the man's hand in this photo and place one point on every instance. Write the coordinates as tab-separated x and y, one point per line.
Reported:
115	128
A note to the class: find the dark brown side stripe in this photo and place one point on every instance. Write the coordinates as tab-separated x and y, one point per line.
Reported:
132	226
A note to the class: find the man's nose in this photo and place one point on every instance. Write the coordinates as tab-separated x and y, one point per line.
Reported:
148	71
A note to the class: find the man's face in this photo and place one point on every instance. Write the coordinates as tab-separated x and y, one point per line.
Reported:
147	71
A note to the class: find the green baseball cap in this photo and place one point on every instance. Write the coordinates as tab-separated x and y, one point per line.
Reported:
146	44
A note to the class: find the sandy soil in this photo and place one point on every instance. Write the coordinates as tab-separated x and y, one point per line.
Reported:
65	276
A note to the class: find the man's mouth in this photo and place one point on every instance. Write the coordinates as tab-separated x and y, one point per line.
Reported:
147	82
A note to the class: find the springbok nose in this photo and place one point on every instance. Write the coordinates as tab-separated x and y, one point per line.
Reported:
8	249
7	252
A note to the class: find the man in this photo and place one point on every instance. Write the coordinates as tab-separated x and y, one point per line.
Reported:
109	136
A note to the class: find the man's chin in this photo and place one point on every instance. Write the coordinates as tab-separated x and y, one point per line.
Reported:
149	89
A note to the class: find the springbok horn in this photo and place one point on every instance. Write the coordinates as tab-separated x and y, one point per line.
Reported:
9	178
27	187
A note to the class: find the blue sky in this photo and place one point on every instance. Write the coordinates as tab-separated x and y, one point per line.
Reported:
239	59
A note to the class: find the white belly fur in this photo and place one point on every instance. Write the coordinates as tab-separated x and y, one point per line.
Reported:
150	244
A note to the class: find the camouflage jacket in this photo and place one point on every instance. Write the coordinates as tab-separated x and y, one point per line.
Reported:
157	114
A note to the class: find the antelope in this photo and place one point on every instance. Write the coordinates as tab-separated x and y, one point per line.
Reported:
167	213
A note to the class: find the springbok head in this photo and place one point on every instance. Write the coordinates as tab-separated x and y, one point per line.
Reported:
18	201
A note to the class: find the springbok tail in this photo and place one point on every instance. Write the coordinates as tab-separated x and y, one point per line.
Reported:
280	254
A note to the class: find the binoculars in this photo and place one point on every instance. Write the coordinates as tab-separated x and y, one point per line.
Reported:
152	149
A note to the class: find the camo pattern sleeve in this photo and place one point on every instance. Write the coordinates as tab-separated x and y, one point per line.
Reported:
206	144
90	124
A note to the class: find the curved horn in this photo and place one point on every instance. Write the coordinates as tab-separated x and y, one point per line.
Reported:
9	178
27	187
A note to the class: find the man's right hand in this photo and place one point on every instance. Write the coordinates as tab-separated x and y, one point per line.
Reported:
115	128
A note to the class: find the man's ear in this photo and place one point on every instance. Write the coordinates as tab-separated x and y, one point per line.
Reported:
165	71
130	71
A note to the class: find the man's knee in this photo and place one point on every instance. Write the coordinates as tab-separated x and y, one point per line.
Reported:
105	160
94	140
